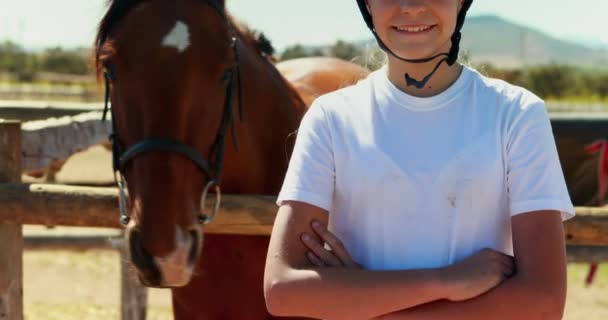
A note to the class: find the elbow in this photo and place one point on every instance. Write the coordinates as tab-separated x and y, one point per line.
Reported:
549	303
273	294
280	296
285	298
553	306
547	312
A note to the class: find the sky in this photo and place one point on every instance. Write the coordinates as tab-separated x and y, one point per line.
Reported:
38	24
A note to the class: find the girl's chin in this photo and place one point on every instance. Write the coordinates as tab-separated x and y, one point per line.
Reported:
415	53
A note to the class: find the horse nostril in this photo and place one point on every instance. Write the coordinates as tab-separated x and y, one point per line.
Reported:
196	246
143	261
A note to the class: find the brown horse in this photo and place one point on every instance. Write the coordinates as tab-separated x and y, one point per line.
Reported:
328	74
176	69
581	171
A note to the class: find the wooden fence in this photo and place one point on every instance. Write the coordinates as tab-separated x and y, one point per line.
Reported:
586	234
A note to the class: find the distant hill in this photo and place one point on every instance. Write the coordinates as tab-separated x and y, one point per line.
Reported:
506	44
510	45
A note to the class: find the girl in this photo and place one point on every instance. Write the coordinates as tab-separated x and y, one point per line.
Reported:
426	191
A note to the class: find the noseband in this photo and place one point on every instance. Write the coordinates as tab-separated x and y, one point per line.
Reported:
211	169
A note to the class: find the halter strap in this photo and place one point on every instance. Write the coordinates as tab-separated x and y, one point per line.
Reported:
211	169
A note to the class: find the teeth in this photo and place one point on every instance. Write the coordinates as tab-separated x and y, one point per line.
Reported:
413	29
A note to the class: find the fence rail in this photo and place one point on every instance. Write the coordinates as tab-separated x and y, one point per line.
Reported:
39	204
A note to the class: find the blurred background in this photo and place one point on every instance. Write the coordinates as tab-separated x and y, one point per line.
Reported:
558	49
45	45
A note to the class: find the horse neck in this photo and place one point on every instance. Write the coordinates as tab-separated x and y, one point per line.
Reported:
273	110
289	105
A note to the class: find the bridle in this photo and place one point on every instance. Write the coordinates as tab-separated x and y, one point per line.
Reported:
211	169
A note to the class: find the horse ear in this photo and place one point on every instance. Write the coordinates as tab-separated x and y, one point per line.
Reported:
218	5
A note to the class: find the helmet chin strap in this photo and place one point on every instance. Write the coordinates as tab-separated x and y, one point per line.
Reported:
422	83
419	84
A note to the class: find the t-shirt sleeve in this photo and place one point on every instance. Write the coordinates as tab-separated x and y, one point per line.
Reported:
310	177
534	173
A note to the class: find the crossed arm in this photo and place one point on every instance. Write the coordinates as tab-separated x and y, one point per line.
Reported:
537	291
293	286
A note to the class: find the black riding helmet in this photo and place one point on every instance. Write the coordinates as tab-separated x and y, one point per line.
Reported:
451	58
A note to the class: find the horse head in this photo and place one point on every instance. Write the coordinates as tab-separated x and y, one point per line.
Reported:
173	79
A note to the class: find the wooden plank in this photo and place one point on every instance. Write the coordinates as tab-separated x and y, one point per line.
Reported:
41	204
11	233
73	243
583	127
53	139
46	141
589	227
598	254
59	205
40	110
239	214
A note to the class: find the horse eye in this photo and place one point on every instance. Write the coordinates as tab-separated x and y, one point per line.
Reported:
108	72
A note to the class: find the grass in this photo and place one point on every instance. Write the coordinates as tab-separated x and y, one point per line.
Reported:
577	272
587	303
70	285
67	285
86	312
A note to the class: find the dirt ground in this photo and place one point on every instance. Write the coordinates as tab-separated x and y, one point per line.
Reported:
63	285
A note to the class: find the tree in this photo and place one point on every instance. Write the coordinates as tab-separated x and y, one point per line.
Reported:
551	81
345	50
61	61
601	86
293	52
12	57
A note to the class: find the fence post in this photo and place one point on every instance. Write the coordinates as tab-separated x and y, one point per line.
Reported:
11	234
134	296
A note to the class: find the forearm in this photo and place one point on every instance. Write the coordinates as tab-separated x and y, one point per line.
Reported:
516	298
335	293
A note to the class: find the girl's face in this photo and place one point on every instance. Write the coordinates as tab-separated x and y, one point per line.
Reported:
415	29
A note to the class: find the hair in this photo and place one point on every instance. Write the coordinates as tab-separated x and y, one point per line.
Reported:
257	38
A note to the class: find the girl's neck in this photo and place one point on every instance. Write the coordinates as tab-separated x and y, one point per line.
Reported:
442	79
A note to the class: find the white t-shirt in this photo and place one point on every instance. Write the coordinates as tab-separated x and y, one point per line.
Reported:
415	182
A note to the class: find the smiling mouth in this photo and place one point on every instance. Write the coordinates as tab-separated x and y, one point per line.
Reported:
414	30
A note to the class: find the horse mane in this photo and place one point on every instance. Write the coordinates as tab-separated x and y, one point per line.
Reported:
255	38
118	9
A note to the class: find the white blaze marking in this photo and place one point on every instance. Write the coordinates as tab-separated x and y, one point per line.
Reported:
174	267
179	37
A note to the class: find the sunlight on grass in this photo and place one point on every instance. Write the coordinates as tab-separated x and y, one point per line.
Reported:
64	285
47	311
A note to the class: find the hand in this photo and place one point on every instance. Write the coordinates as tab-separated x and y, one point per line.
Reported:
477	274
319	256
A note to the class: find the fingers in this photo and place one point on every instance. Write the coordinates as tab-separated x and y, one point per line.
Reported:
320	256
315	260
319	250
509	266
506	263
502	264
336	245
